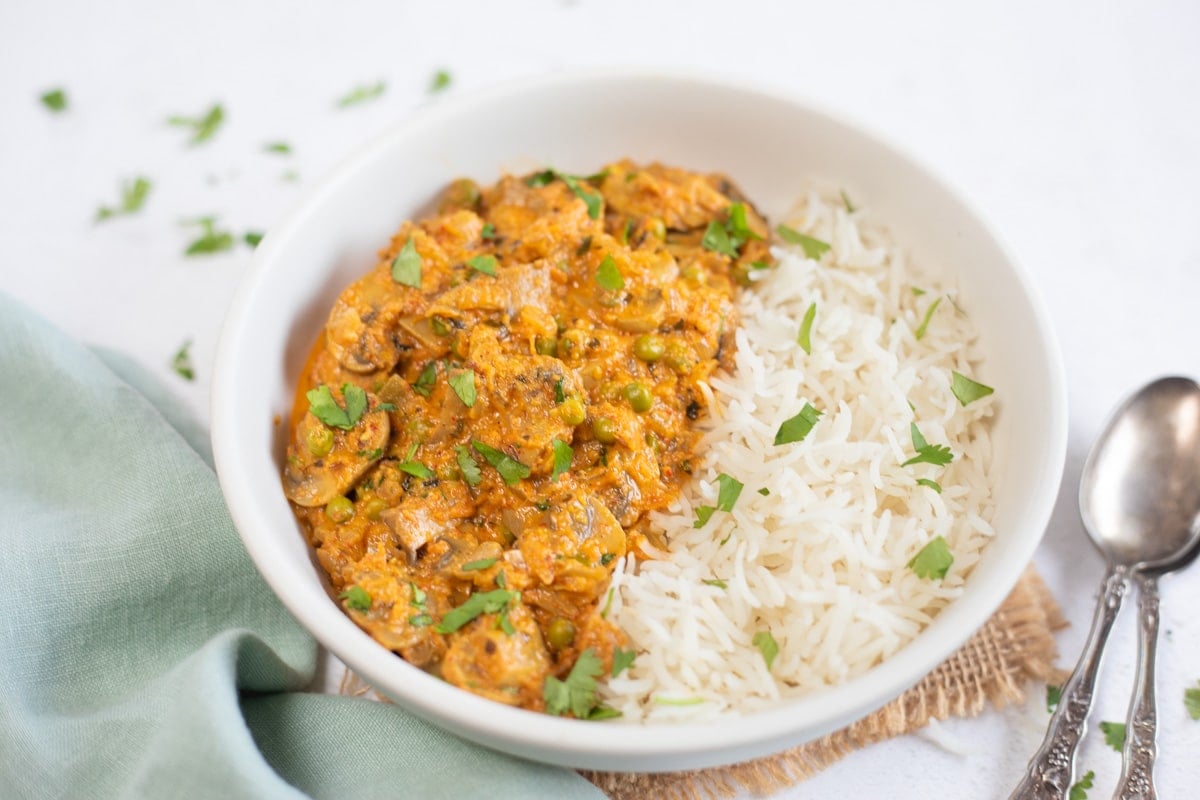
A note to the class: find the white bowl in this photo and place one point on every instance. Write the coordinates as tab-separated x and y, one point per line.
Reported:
771	146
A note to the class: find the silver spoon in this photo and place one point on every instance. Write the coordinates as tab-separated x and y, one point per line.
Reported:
1140	501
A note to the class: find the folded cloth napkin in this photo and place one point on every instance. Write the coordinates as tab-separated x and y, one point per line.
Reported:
140	653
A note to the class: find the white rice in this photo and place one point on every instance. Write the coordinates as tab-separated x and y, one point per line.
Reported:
822	561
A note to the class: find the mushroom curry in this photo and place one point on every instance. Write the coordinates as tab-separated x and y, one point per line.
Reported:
492	412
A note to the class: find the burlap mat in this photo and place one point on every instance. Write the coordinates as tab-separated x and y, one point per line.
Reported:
1014	647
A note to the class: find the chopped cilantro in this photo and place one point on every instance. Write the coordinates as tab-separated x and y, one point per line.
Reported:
716	239
739	229
485	264
426	379
1114	734
602	712
703	515
1191	701
577	693
482	563
609	276
813	248
357	598
937	487
504	623
805	337
966	390
543	178
607	605
559	395
322	406
419	596
1053	695
406	268
420	621
439	82
416	469
467	466
1080	787
488	232
278	148
133	197
850	209
933	560
764	491
463	384
798	427
181	362
371	455
511	470
562	458
593	200
622	660
936	454
920	332
917	292
717	582
361	94
55	100
606	558
211	240
203	127
766	645
476	604
730	491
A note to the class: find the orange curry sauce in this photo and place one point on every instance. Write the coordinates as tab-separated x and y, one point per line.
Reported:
530	359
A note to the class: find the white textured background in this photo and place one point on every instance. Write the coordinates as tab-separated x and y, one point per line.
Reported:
1075	126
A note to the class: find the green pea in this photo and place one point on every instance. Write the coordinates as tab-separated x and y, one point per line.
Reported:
320	441
639	397
340	509
372	507
545	346
649	347
572	411
604	430
560	633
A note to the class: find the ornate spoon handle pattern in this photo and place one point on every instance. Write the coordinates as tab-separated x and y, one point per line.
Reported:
1137	770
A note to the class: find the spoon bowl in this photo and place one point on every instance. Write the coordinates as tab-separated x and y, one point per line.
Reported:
1140	492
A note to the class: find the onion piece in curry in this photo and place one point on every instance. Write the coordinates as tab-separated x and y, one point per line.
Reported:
491	413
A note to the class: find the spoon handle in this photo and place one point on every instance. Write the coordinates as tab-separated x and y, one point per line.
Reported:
1137	770
1051	769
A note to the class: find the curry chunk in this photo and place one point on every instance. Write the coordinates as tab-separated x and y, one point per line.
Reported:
533	358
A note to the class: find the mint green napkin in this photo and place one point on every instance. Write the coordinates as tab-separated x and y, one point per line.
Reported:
140	653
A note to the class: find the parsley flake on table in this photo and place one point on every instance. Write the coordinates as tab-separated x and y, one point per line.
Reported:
813	248
485	264
1191	701
406	267
480	603
608	275
1080	787
463	383
181	362
577	693
1053	695
203	128
805	337
278	148
252	238
511	470
468	466
322	406
798	427
1114	734
361	94
356	598
936	454
55	100
133	197
622	660
440	81
966	390
920	332
210	240
766	645
563	453
933	560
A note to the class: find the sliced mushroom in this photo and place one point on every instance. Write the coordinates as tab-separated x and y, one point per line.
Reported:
413	528
310	480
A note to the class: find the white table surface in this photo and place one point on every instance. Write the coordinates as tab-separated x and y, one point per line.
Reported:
1075	126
